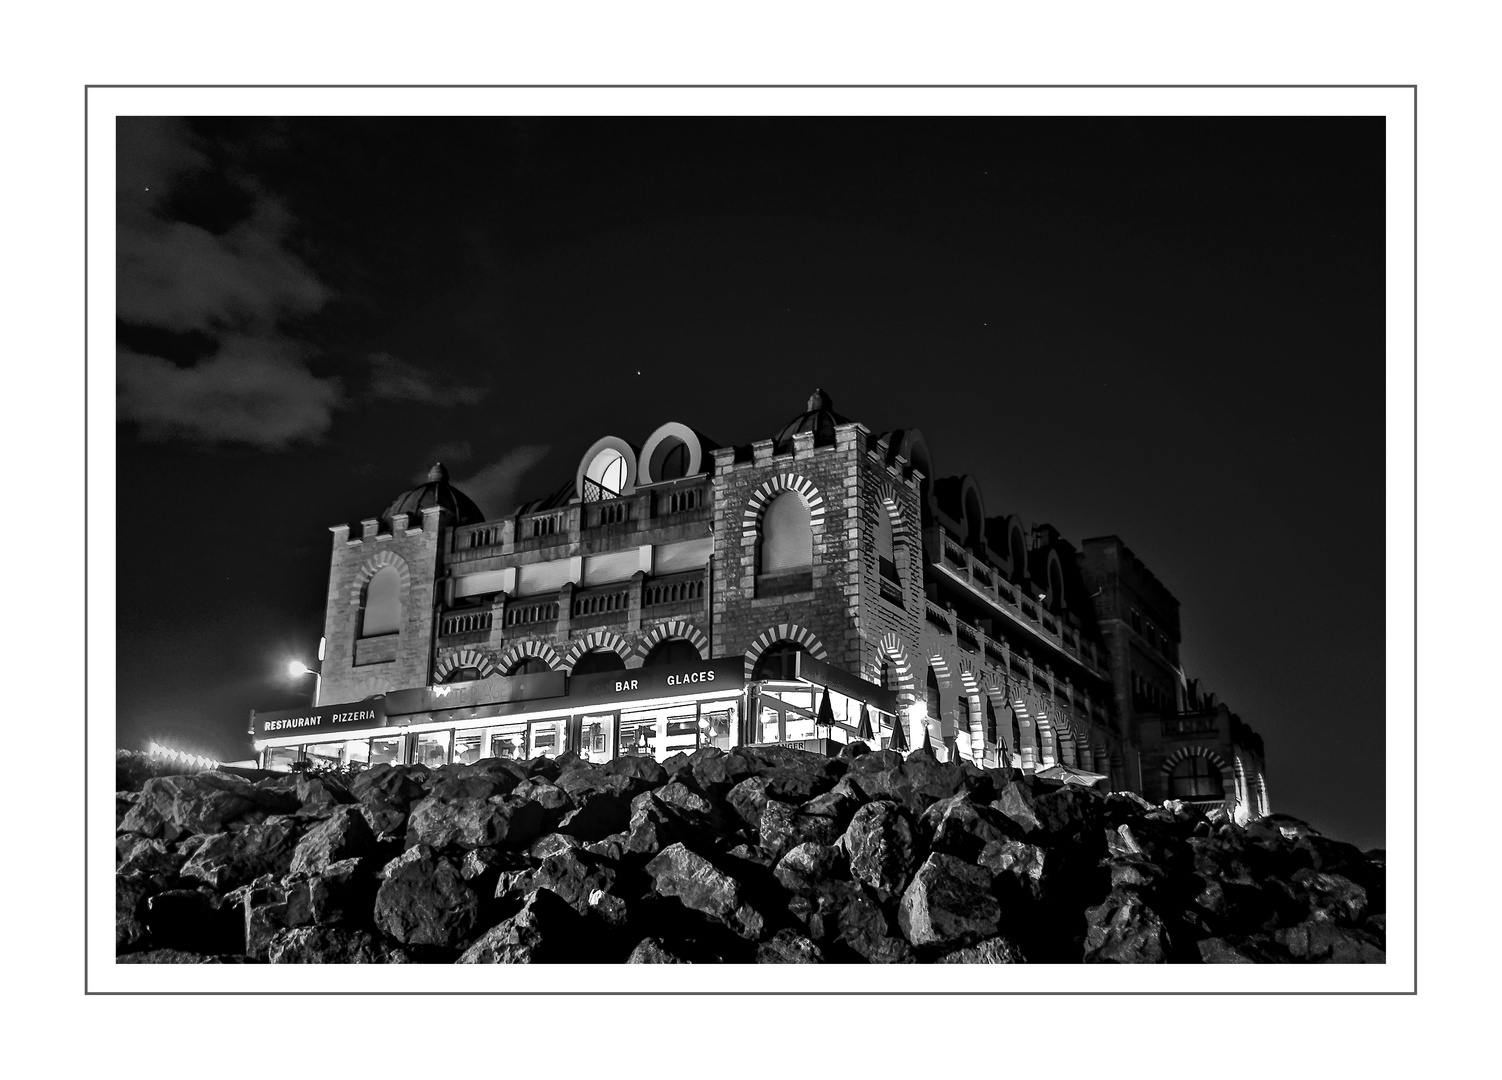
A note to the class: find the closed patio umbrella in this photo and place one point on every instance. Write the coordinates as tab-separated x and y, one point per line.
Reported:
899	736
863	729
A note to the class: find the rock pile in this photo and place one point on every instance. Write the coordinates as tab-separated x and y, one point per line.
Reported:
760	855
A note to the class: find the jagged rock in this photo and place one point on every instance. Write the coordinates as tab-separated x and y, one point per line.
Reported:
958	826
571	875
327	945
1332	895
424	900
997	950
1124	930
131	892
1070	812
1138	873
651	950
608	908
864	929
644	773
344	835
1217	950
1016	862
915	782
698	886
747	799
174	956
784	825
194	920
599	813
808	866
471	823
544	930
881	846
948	905
1320	941
788	947
716	772
553	844
125	801
205	802
684	800
225	860
342	891
793	776
152	858
1018	803
319	795
398	785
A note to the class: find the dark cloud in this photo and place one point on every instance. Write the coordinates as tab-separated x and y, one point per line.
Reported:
237	286
494	487
395	379
255	392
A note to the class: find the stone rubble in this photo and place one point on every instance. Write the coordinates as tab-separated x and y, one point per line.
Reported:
759	855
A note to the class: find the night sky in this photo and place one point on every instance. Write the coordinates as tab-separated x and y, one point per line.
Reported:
1170	330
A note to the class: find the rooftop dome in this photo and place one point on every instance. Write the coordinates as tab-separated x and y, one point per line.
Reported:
436	492
820	419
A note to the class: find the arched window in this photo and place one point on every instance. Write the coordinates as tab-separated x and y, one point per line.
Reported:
933	695
992	735
1016	731
886	543
787	538
1195	778
530	665
597	660
382	611
964	717
670	460
780	662
886	676
606	476
674	652
464	674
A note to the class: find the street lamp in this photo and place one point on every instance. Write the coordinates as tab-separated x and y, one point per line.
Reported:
297	667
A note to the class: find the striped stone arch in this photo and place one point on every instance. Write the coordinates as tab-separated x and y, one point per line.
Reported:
475	658
891	647
525	650
1228	774
674	628
785	632
970	686
596	639
1031	750
370	567
769	489
886	492
997	696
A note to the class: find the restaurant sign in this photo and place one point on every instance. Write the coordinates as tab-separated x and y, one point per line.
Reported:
673	680
320	720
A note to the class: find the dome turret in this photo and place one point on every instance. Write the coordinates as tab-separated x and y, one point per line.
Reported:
437	491
820	418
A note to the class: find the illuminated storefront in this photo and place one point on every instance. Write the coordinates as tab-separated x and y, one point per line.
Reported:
651	712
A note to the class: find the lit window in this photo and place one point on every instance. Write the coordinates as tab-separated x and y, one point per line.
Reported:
933	695
1195	778
606	476
779	662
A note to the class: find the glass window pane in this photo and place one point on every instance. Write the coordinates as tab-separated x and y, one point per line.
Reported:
388	750
549	738
507	740
597	737
469	746
433	748
280	758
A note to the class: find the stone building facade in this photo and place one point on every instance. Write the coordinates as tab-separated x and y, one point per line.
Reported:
826	548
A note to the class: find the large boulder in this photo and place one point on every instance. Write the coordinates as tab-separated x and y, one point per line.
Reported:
1124	930
1018	804
948	905
131	893
808	868
598	813
329	945
344	835
398	785
997	950
1320	941
226	860
958	826
424	900
572	875
194	920
881	845
339	892
788	947
699	886
473	823
545	930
